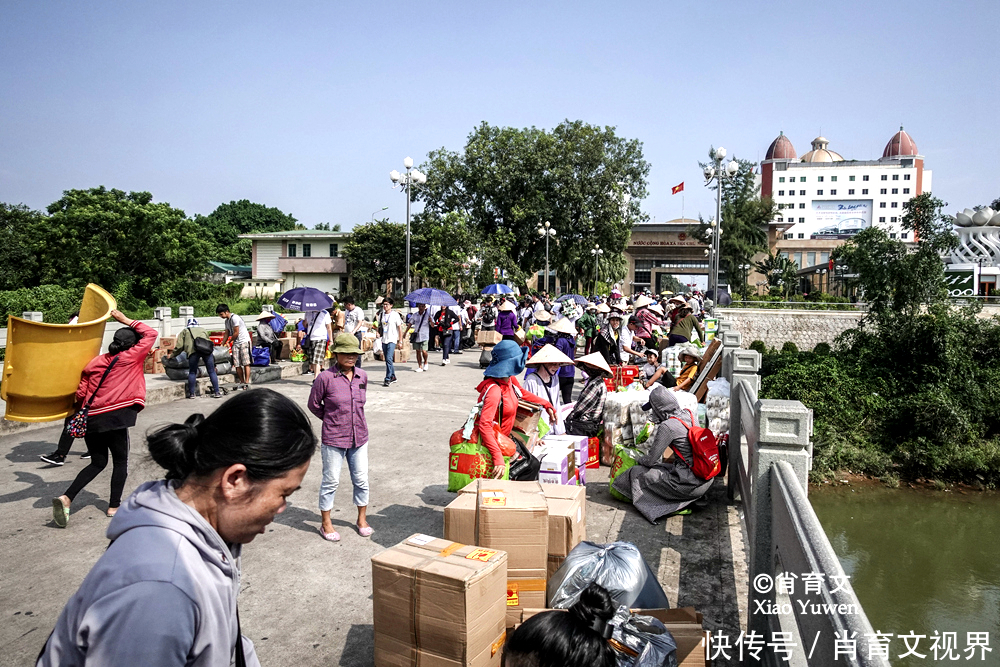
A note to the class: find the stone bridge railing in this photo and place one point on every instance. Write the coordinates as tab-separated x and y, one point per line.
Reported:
798	594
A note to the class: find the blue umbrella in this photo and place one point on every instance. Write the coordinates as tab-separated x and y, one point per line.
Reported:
304	299
582	300
497	288
431	296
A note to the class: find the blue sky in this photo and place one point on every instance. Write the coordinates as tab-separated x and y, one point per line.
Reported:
308	105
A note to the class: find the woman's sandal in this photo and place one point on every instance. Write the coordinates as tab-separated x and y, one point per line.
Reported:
366	531
60	513
330	537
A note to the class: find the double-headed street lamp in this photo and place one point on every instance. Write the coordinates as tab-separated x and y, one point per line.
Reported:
546	231
384	208
717	173
596	252
405	180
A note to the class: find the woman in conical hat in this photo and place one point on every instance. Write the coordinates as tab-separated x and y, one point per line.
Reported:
545	381
587	415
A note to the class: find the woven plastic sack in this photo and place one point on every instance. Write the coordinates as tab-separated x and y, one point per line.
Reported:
625	458
618	567
641	641
468	461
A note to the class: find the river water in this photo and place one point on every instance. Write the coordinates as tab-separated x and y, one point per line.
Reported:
920	562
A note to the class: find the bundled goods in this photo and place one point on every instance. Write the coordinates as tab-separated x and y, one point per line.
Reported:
641	641
177	368
617	567
669	359
717	406
488	338
439	602
623	418
624	458
580	446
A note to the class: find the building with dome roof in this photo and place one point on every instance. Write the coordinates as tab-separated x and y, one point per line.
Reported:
823	199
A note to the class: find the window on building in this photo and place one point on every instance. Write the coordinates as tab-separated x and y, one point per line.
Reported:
798	259
906	177
781	193
885	177
850	191
784	253
892	235
788	236
881	191
892	219
643	270
802	204
881	204
802	193
904	235
895	177
819	193
864	178
802	236
810	259
791	179
291	250
802	179
307	250
833	179
333	250
819	179
895	204
781	179
895	191
906	191
850	178
864	191
824	257
833	192
881	219
801	220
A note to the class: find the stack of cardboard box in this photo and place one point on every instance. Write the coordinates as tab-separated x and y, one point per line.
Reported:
439	603
488	338
154	362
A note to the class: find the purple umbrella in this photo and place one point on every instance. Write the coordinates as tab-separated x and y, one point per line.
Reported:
304	299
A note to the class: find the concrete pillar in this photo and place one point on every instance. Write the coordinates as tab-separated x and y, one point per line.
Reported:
32	316
185	313
268	307
163	314
727	325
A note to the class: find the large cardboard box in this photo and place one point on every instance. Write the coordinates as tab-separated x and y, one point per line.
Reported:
488	338
581	448
401	355
567	521
287	345
168	342
513	517
558	464
153	363
685	624
526	420
437	602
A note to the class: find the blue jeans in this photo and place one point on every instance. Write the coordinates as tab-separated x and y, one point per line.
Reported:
358	335
456	340
193	372
333	460
388	350
446	344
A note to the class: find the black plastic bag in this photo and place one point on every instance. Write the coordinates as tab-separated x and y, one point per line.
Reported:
525	467
641	641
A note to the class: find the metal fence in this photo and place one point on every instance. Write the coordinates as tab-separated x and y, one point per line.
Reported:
799	597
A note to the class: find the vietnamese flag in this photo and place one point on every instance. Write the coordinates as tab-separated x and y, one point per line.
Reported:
677	188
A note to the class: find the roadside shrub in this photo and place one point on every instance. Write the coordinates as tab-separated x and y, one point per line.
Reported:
789	348
822	349
759	346
56	303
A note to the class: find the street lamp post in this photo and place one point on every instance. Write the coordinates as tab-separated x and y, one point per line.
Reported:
384	208
596	252
546	231
405	180
717	173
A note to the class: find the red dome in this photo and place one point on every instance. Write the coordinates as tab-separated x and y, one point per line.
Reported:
900	144
781	149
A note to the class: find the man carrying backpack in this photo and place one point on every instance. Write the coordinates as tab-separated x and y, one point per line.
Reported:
488	315
666	480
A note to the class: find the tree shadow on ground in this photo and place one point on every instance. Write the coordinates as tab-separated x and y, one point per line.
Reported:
359	647
437	495
28	452
395	523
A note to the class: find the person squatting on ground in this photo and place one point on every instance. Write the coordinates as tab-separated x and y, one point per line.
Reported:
164	591
390	327
577	637
237	333
113	388
338	398
188	343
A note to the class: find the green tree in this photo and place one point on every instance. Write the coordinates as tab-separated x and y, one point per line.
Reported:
745	216
780	272
122	241
377	253
224	225
18	261
584	179
442	250
327	227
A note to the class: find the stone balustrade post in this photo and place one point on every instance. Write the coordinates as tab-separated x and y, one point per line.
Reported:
163	314
185	313
32	315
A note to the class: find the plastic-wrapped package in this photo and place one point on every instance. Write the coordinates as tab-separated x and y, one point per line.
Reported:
641	641
618	567
719	387
686	401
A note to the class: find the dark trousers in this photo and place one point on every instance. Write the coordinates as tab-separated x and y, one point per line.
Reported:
589	345
566	387
65	439
676	339
99	445
193	372
358	335
445	344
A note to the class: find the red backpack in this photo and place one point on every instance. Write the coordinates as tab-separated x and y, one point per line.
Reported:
705	447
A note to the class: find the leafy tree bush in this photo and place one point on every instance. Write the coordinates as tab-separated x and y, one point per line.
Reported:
54	302
789	348
760	346
822	349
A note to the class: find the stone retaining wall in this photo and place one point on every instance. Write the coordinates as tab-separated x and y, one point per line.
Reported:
805	328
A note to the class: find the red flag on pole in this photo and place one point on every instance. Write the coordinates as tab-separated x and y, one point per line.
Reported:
677	188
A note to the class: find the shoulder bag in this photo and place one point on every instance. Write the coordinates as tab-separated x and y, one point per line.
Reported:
77	426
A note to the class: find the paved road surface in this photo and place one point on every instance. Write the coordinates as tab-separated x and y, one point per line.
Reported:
306	601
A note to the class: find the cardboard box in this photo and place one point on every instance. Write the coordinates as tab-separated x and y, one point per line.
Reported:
567	522
685	624
401	355
488	338
287	345
366	344
581	446
168	342
526	420
558	464
437	602
152	364
509	516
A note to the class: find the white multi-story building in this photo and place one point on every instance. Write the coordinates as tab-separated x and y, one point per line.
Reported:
308	257
823	196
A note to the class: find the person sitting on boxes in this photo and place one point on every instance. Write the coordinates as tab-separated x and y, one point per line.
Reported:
587	416
500	407
688	356
655	372
545	380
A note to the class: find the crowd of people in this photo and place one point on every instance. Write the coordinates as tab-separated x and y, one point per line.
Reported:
226	476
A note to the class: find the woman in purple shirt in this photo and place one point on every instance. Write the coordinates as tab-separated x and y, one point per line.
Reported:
338	398
507	320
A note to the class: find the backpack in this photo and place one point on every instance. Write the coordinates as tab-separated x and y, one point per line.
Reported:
706	463
488	315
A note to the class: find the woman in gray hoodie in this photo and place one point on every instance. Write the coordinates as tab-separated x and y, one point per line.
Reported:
164	592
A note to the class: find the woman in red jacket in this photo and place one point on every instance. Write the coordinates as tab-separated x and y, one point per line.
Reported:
116	402
499	393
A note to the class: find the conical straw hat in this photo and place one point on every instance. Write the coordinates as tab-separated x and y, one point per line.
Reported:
542	316
656	308
507	306
603	308
549	354
642	301
596	360
562	326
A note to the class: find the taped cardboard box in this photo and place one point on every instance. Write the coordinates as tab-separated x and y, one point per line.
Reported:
567	522
438	602
167	343
509	516
526	419
488	338
558	464
685	625
287	345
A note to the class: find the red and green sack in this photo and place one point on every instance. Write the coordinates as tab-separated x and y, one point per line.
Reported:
468	461
625	458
